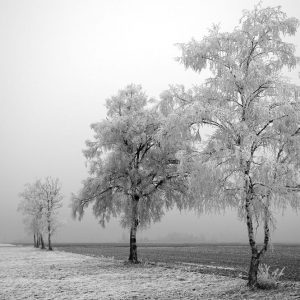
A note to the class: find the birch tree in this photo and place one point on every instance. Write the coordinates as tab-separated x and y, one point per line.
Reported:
40	204
31	207
50	194
131	174
251	160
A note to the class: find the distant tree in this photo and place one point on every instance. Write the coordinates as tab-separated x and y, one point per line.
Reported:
39	205
31	207
131	174
50	193
251	160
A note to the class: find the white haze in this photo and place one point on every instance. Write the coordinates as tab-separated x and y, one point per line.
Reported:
60	60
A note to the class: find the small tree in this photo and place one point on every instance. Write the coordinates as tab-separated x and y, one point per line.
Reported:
39	205
31	207
50	193
251	160
132	175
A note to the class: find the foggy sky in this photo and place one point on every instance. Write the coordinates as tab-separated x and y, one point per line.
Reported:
60	60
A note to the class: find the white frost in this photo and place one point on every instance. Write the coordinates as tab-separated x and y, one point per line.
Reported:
28	273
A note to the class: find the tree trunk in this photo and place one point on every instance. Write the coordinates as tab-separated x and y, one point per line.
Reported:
42	243
37	240
49	238
254	263
34	241
134	223
256	255
267	217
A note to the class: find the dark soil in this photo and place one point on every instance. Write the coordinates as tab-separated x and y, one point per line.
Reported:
235	256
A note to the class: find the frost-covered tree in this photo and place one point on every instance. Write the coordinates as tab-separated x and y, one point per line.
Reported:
31	207
50	194
131	173
251	160
40	204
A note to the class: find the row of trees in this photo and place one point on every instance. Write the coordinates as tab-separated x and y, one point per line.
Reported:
148	157
39	205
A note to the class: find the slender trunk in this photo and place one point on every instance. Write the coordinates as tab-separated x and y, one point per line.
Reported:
266	226
254	263
256	255
34	241
37	240
42	243
49	223
134	223
49	237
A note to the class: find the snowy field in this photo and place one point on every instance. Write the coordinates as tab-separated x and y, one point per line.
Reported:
28	273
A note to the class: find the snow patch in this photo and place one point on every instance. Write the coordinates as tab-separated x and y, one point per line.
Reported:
206	266
7	245
29	273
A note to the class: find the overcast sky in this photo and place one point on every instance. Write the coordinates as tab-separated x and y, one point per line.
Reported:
60	60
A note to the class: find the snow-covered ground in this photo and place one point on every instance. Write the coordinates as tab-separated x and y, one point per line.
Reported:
28	273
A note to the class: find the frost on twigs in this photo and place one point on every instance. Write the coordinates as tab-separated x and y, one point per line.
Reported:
267	279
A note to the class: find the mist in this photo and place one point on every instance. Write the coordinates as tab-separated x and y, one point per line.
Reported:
60	60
